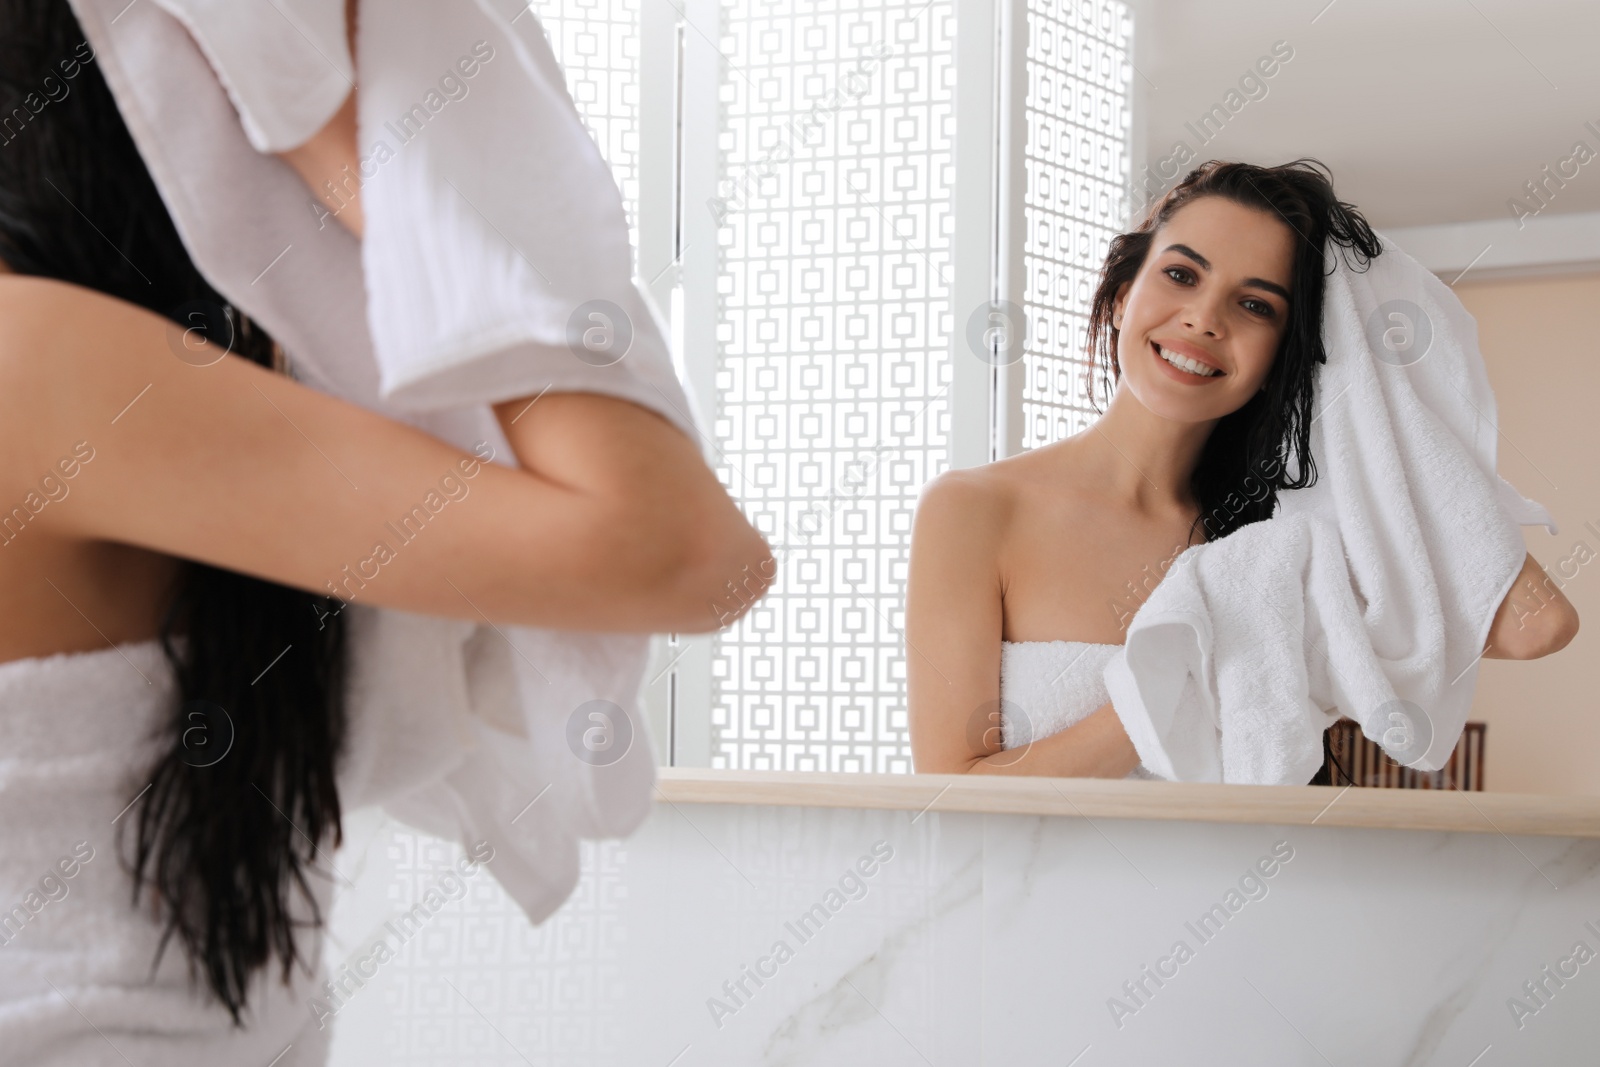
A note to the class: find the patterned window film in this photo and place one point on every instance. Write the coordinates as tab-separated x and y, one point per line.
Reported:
836	165
1077	162
597	44
468	980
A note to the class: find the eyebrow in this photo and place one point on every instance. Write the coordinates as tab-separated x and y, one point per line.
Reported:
1259	283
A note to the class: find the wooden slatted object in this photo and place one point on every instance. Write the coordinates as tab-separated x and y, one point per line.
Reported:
1350	758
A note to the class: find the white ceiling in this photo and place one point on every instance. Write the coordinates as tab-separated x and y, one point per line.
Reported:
1427	111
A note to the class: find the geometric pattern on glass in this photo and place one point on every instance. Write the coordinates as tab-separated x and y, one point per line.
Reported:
597	43
1077	165
834	320
552	991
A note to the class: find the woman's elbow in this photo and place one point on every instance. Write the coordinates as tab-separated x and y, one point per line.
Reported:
721	567
1547	632
1562	633
941	761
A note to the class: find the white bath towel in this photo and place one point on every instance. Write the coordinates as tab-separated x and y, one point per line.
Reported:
493	226
488	234
1369	594
80	985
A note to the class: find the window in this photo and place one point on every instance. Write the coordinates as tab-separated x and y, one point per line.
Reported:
843	364
833	310
1076	169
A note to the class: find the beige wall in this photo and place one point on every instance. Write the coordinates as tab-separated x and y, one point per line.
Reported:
1540	342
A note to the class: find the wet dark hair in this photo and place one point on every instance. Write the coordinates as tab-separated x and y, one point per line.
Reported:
223	836
1247	458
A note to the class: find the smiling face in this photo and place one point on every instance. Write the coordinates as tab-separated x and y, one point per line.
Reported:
1213	295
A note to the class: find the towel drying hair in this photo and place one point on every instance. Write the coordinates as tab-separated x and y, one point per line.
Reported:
1246	459
223	842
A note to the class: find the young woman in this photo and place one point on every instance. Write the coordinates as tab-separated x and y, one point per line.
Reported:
185	519
1024	573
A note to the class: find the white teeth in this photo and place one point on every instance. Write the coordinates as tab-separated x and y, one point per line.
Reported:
1193	366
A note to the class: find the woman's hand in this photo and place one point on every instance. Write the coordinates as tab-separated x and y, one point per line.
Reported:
1534	619
330	155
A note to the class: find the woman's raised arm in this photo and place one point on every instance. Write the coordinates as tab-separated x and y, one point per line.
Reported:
234	465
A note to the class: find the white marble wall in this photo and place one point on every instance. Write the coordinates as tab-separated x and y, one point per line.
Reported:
985	940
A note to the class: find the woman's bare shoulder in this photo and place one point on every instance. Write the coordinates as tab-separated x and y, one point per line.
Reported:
968	508
968	487
997	505
56	342
30	299
995	490
51	329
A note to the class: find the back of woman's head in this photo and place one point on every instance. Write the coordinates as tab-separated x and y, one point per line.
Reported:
1250	453
76	203
224	838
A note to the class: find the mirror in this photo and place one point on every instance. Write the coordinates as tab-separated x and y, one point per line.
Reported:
851	198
